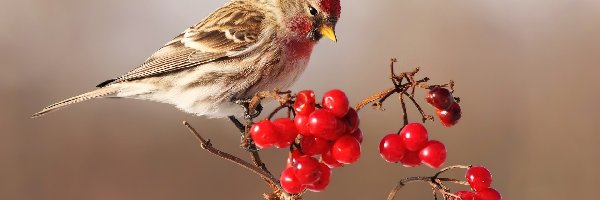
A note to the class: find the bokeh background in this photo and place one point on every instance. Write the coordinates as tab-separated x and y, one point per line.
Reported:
527	72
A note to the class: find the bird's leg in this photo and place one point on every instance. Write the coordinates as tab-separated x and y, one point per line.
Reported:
257	111
249	113
241	127
246	141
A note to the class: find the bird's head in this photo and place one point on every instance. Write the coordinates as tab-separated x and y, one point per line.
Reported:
316	18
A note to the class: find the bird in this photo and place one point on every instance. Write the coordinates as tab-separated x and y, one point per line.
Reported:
244	47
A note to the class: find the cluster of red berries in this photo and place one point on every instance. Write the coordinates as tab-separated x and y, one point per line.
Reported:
329	130
412	147
447	109
480	180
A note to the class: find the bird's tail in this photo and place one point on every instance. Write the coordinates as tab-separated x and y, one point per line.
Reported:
102	92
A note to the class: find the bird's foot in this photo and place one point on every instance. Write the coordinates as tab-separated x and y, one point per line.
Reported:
246	141
249	113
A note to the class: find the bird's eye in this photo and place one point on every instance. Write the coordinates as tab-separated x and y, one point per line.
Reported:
312	11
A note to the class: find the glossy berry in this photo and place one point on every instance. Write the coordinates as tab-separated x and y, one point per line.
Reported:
307	169
264	134
325	125
358	135
433	154
391	148
289	182
465	195
314	146
328	159
489	194
346	150
352	120
336	102
294	154
479	178
323	181
414	136
450	116
287	132
305	102
411	159
439	97
301	122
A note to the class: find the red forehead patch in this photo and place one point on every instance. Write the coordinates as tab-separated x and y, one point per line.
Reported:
332	7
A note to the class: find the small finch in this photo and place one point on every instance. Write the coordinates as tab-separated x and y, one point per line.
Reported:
242	48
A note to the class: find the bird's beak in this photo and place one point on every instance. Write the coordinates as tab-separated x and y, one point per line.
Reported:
328	32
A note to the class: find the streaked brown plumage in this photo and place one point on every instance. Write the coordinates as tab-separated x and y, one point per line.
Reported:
242	48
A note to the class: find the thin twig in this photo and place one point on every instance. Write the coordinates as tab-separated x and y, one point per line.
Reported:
375	97
425	116
435	182
404	113
456	181
279	108
383	95
403	183
450	168
264	174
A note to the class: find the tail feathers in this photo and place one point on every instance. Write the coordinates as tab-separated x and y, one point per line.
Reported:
84	97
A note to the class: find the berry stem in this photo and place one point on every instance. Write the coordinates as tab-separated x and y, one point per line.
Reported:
393	75
279	108
437	184
424	116
404	113
383	95
451	168
258	168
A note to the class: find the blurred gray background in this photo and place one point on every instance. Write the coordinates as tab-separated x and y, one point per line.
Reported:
527	72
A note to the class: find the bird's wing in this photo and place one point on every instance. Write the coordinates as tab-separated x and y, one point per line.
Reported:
228	32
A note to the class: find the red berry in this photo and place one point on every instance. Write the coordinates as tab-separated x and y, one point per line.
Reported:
314	146
479	178
450	116
264	134
336	102
328	159
358	135
433	154
305	102
287	132
325	125
294	154
289	182
489	194
411	159
414	136
323	181
307	169
301	122
391	148
465	195
439	97
346	150
352	119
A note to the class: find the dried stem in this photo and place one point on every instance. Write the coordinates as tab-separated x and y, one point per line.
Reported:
252	109
404	113
437	184
451	168
257	168
403	183
282	97
425	116
383	95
